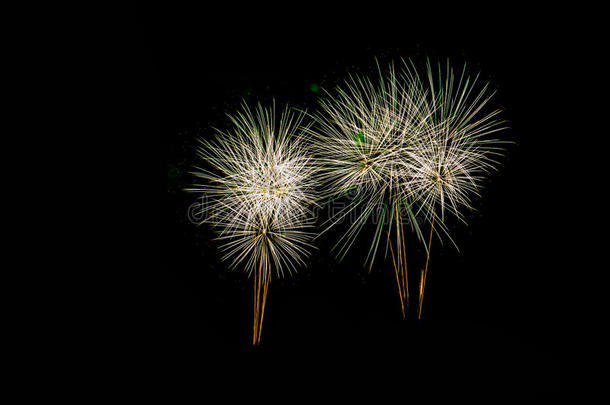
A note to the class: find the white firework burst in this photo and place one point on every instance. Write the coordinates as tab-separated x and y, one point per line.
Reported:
364	136
455	154
406	148
259	190
451	159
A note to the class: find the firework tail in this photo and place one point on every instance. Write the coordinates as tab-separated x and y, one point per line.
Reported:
261	286
424	272
400	265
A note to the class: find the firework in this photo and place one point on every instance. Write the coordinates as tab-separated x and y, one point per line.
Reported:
452	158
364	136
403	147
259	195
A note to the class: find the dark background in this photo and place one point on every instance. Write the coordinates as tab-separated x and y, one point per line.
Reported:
492	317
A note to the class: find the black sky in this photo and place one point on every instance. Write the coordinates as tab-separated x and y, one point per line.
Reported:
493	312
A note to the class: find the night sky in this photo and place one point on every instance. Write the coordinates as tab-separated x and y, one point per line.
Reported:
491	316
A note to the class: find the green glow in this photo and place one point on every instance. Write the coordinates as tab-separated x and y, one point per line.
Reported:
359	138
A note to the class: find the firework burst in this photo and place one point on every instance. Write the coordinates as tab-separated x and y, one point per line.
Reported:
259	195
452	158
404	148
364	136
